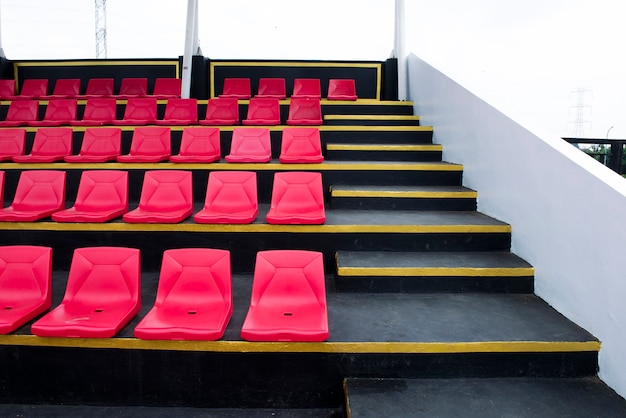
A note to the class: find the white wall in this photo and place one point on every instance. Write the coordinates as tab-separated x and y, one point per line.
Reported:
568	212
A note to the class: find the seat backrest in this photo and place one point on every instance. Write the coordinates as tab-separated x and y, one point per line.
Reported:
301	142
165	190
69	87
200	141
304	108
34	88
194	277
23	110
151	140
102	190
101	141
167	87
298	192
144	108
236	87
341	89
100	110
181	109
7	88
52	142
12	142
39	189
264	109
307	87
231	191
26	272
104	276
222	108
251	141
61	110
134	87
100	87
272	87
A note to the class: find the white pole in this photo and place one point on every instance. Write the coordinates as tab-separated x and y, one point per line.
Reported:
399	52
1	50
196	38
192	9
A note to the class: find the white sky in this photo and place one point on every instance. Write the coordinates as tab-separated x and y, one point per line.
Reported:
524	57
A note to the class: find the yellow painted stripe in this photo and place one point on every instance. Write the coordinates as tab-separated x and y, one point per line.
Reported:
404	194
384	147
436	271
296	347
254	228
372	117
273	128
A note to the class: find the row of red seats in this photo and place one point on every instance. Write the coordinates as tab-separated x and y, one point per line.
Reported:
143	111
338	89
193	302
164	88
166	197
153	144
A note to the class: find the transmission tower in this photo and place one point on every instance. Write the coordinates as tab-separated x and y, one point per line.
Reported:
101	28
580	109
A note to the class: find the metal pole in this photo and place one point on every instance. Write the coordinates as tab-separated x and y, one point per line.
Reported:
1	50
192	9
399	49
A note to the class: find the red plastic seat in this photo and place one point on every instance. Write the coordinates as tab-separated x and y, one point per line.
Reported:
339	89
305	112
33	89
102	295
272	88
98	88
194	297
58	112
166	197
39	194
25	284
12	142
133	87
7	89
65	88
167	88
149	145
180	112
231	198
297	198
50	145
250	145
288	300
198	145
102	196
307	88
97	112
21	112
99	145
237	88
263	112
221	111
139	111
301	145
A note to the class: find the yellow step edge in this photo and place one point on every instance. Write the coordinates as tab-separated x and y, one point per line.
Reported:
384	147
372	117
311	347
404	194
436	271
272	128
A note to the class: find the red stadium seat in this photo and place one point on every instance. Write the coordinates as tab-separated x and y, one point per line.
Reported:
133	87
25	284
237	88
167	88
194	297
102	196
305	112
166	197
39	194
341	90
149	145
58	112
180	112
21	112
98	88
250	145
297	198
97	112
12	143
301	145
231	198
65	88
307	88
288	300
263	112
7	89
99	145
272	88
50	145
198	145
139	111
221	111
33	89
101	296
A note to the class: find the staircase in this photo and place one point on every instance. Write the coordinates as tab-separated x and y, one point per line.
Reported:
429	311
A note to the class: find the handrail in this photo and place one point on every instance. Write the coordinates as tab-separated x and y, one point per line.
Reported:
616	150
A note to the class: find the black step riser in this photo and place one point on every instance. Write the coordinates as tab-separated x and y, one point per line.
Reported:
371	122
403	203
378	155
411	284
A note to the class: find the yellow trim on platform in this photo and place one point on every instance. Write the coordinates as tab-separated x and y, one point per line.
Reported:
372	117
436	271
383	147
296	347
403	194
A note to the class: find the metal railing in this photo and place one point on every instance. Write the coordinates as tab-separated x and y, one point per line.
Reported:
609	152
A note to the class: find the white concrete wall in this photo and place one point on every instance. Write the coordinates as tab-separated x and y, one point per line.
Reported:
568	212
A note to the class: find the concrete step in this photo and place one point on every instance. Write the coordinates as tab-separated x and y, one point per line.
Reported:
384	152
370	119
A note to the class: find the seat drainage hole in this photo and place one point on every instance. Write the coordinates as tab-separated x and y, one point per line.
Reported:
192	312
8	308
288	314
97	310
